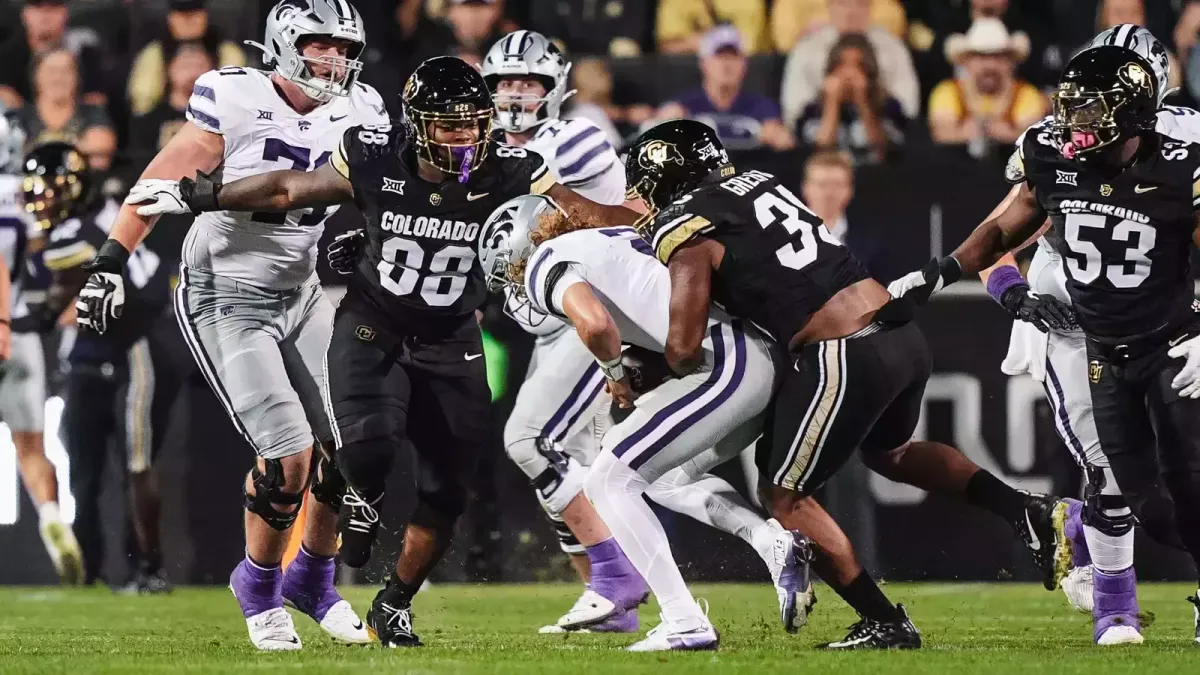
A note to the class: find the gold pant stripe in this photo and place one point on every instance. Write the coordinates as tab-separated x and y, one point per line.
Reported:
806	448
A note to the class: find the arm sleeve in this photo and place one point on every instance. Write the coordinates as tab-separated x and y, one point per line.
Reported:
543	272
560	277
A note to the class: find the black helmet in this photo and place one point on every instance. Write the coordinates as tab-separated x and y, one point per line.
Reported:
1106	94
448	90
55	182
672	159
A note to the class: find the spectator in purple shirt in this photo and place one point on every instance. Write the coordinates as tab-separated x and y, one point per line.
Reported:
743	120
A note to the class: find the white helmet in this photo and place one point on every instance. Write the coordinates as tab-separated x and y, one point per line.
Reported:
1139	40
524	53
292	20
506	241
12	145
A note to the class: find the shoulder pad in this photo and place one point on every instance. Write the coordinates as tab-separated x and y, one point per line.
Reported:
369	102
365	143
221	99
676	224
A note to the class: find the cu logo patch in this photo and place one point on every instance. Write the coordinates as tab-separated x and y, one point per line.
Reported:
365	333
1095	370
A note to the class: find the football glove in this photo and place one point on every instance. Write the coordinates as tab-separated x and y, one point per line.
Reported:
159	197
343	251
103	296
1045	312
1187	380
919	285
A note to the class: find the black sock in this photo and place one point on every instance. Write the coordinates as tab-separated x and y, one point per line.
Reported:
865	597
990	493
398	592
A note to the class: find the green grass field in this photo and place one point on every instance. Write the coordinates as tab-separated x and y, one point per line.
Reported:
968	629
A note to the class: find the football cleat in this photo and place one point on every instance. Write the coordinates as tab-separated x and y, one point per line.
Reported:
695	634
899	633
789	566
273	631
621	622
64	551
1195	600
391	624
1077	586
1043	530
591	608
358	527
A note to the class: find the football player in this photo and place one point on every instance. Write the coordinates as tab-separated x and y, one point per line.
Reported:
23	387
1102	580
1118	180
609	287
505	246
110	378
405	359
860	365
249	302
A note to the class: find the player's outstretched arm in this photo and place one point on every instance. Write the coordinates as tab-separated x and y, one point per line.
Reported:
599	333
592	214
284	191
191	150
691	267
1017	220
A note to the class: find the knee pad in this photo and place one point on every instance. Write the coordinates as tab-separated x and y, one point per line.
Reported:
365	465
268	492
561	482
1103	506
328	484
566	538
526	455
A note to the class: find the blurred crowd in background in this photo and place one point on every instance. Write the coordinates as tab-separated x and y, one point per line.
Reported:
870	78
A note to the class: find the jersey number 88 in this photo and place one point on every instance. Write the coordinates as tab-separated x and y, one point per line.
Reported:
451	263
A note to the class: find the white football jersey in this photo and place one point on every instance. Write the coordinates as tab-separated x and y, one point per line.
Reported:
623	273
1177	122
580	156
262	133
14	230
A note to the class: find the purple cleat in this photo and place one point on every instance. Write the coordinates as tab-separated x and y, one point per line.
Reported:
308	587
1116	609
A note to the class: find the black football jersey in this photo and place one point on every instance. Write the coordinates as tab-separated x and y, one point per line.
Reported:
419	261
1125	238
147	281
781	264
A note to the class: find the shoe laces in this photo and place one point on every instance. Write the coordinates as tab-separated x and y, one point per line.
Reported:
399	618
276	622
363	515
664	626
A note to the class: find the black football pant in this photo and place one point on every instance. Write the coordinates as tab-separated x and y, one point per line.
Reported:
392	393
124	406
1150	435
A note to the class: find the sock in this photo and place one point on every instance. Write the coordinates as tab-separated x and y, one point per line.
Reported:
990	493
258	587
864	596
708	499
308	583
48	513
616	491
400	592
613	576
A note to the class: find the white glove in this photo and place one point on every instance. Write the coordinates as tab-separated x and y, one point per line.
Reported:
1187	381
906	283
937	274
157	197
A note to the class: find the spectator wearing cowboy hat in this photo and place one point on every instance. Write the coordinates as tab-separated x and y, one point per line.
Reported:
984	104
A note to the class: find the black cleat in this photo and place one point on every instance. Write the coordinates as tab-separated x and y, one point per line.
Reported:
1042	530
391	624
899	633
358	527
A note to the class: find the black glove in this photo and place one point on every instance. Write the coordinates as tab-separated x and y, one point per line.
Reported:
200	195
344	249
1045	312
103	295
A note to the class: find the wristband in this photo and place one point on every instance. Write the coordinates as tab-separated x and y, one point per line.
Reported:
202	195
613	370
1002	281
111	257
950	270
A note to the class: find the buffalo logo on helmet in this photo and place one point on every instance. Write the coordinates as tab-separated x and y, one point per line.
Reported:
1135	76
657	153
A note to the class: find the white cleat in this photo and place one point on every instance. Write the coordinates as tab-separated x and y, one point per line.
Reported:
1077	586
590	608
63	550
273	631
1120	635
694	634
342	624
788	561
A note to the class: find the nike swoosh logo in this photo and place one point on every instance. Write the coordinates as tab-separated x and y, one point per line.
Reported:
1035	543
358	625
294	640
1139	189
335	119
471	357
473	197
1172	343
